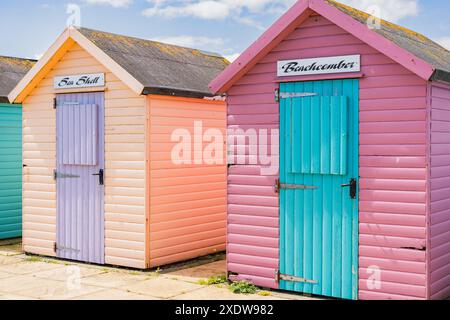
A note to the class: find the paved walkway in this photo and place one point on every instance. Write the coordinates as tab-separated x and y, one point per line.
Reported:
32	277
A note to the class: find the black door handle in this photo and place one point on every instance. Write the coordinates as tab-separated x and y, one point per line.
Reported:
101	176
353	188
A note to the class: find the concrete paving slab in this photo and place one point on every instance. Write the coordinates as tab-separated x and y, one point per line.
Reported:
33	277
14	297
16	283
114	279
11	249
57	290
195	274
292	296
222	292
114	294
13	246
29	267
5	260
66	272
213	293
269	298
162	287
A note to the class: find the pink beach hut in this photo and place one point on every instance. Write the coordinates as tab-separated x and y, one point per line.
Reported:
360	207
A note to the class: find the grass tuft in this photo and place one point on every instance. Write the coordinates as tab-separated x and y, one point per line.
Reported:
213	280
243	287
40	259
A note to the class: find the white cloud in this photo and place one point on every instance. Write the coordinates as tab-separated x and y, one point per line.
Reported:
247	11
204	43
391	10
445	42
232	57
209	10
112	3
239	10
38	56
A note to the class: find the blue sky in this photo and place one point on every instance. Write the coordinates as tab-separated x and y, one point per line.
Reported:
29	27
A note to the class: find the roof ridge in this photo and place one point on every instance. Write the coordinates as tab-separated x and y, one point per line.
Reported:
14	72
417	41
12	69
206	53
389	23
161	59
18	58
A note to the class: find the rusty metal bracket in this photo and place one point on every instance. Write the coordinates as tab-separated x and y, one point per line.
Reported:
279	186
279	276
57	175
63	248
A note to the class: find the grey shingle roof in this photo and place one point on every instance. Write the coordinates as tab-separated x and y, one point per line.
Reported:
12	70
417	44
161	68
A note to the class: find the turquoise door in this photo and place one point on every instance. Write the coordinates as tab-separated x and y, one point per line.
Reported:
10	171
318	187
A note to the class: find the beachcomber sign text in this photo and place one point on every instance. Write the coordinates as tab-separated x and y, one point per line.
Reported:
80	81
313	66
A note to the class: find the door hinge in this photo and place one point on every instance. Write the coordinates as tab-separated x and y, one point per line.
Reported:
279	276
279	186
55	103
286	95
297	186
55	247
58	175
63	248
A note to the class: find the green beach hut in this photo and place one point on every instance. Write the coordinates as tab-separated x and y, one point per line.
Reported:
11	72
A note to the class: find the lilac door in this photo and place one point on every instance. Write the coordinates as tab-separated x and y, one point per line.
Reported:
79	176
